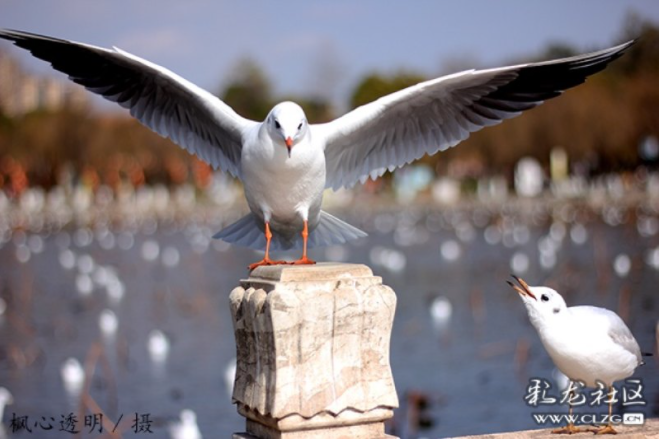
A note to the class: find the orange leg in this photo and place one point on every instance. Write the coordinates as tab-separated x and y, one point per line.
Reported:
304	259
570	428
266	261
607	429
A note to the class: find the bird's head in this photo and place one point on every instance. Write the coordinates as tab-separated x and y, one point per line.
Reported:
287	124
542	302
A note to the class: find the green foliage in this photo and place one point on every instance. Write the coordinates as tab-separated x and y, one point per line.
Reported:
249	94
375	86
556	51
642	56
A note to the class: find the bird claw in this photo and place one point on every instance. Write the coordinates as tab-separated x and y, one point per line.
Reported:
265	262
604	430
303	260
568	429
269	262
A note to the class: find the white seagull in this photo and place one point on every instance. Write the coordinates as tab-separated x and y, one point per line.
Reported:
588	344
5	399
186	426
158	346
73	376
285	163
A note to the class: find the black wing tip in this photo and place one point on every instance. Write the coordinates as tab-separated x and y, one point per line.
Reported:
9	34
16	37
628	43
622	46
606	56
602	56
617	51
14	34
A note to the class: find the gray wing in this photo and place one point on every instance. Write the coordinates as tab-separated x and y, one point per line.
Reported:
438	114
613	325
160	99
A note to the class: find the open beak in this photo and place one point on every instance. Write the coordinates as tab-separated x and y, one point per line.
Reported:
523	289
289	144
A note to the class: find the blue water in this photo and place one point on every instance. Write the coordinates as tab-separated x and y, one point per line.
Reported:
473	368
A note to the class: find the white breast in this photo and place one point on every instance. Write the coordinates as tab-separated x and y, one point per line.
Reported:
280	186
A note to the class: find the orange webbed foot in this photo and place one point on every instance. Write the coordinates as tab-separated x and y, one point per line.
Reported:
568	429
266	262
608	429
303	260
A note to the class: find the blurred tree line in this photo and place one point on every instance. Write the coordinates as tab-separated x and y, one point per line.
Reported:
600	124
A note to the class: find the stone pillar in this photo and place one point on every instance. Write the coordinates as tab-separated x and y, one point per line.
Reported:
312	350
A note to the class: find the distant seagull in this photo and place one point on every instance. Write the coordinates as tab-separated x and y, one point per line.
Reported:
108	323
73	376
158	346
441	311
5	399
586	343
186	427
230	376
285	163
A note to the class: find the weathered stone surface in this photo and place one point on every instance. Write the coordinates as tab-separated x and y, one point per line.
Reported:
313	350
366	430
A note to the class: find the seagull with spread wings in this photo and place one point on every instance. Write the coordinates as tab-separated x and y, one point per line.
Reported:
284	162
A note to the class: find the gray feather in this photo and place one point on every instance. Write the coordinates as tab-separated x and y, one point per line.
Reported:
438	114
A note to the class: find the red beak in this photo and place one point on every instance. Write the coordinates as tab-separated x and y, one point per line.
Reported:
289	144
524	291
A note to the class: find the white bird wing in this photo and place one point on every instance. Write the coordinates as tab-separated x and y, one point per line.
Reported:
163	101
437	114
608	322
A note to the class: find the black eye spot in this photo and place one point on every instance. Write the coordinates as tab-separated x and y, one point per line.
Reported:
277	125
300	126
544	298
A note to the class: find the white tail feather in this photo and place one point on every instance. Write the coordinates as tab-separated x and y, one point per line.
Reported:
330	230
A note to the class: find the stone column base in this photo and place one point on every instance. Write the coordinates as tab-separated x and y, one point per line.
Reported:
371	430
313	352
348	424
